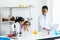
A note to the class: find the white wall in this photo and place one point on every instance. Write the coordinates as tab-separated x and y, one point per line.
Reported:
56	11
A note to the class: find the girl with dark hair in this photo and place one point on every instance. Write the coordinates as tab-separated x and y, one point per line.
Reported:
17	26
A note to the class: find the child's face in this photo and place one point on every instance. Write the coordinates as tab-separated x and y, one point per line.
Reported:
44	11
26	25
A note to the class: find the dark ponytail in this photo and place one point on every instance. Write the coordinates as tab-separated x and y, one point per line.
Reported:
18	19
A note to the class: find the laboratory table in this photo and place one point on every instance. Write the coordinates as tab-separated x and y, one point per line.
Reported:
34	37
50	37
39	37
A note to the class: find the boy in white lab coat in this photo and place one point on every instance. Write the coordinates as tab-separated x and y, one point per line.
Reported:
17	27
45	23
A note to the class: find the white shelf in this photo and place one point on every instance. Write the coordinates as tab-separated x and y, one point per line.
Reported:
18	7
7	22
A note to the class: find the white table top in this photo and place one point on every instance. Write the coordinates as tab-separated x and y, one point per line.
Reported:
34	37
31	36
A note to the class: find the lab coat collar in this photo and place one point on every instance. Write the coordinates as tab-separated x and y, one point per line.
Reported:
45	15
17	23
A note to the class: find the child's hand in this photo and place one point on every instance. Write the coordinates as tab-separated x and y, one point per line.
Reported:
46	29
15	33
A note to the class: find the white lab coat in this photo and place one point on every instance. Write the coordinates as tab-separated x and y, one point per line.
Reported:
44	22
18	28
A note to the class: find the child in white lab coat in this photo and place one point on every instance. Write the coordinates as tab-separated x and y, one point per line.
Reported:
45	22
17	27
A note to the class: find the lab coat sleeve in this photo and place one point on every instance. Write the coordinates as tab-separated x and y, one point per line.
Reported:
39	25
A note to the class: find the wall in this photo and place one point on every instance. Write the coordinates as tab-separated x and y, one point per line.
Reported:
56	11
